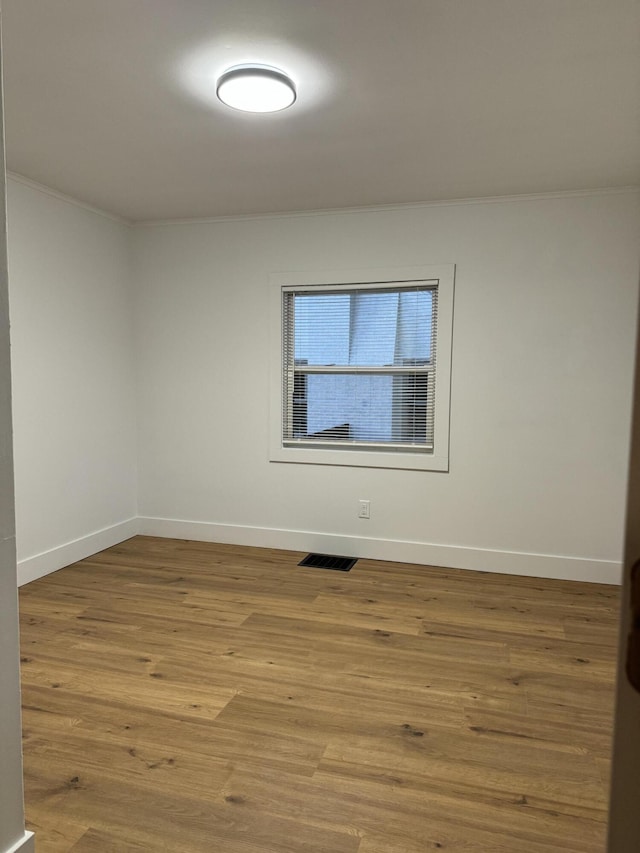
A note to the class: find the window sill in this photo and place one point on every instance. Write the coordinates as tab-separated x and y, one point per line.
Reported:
412	461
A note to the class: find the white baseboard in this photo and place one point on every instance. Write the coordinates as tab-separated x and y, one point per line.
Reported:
25	845
35	567
422	553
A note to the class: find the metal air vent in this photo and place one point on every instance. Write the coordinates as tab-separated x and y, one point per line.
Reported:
327	561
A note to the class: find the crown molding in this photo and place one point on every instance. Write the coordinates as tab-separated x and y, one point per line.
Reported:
335	211
387	208
34	185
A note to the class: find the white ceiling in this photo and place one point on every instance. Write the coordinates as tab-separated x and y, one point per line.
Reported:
113	102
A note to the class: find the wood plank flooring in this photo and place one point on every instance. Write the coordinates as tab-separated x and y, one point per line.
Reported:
194	698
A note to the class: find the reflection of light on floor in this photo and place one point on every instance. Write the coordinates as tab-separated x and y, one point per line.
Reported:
198	72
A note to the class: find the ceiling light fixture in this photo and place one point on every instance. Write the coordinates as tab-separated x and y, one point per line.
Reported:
256	89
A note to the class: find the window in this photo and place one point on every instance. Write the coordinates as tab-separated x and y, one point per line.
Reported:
359	367
362	375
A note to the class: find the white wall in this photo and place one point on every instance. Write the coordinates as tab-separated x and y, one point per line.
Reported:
542	355
73	379
545	303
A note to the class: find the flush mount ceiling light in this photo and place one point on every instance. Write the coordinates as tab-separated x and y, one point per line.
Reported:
256	89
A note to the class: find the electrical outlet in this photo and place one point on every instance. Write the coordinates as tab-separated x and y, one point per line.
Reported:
364	510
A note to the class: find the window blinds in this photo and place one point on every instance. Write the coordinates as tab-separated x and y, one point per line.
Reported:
359	366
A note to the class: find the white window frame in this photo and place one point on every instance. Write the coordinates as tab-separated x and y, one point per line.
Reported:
436	459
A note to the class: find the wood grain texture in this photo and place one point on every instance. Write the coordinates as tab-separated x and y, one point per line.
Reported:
193	697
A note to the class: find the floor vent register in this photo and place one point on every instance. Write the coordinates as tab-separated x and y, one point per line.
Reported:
327	561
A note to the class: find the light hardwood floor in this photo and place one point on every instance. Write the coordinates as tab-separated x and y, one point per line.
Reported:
182	696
